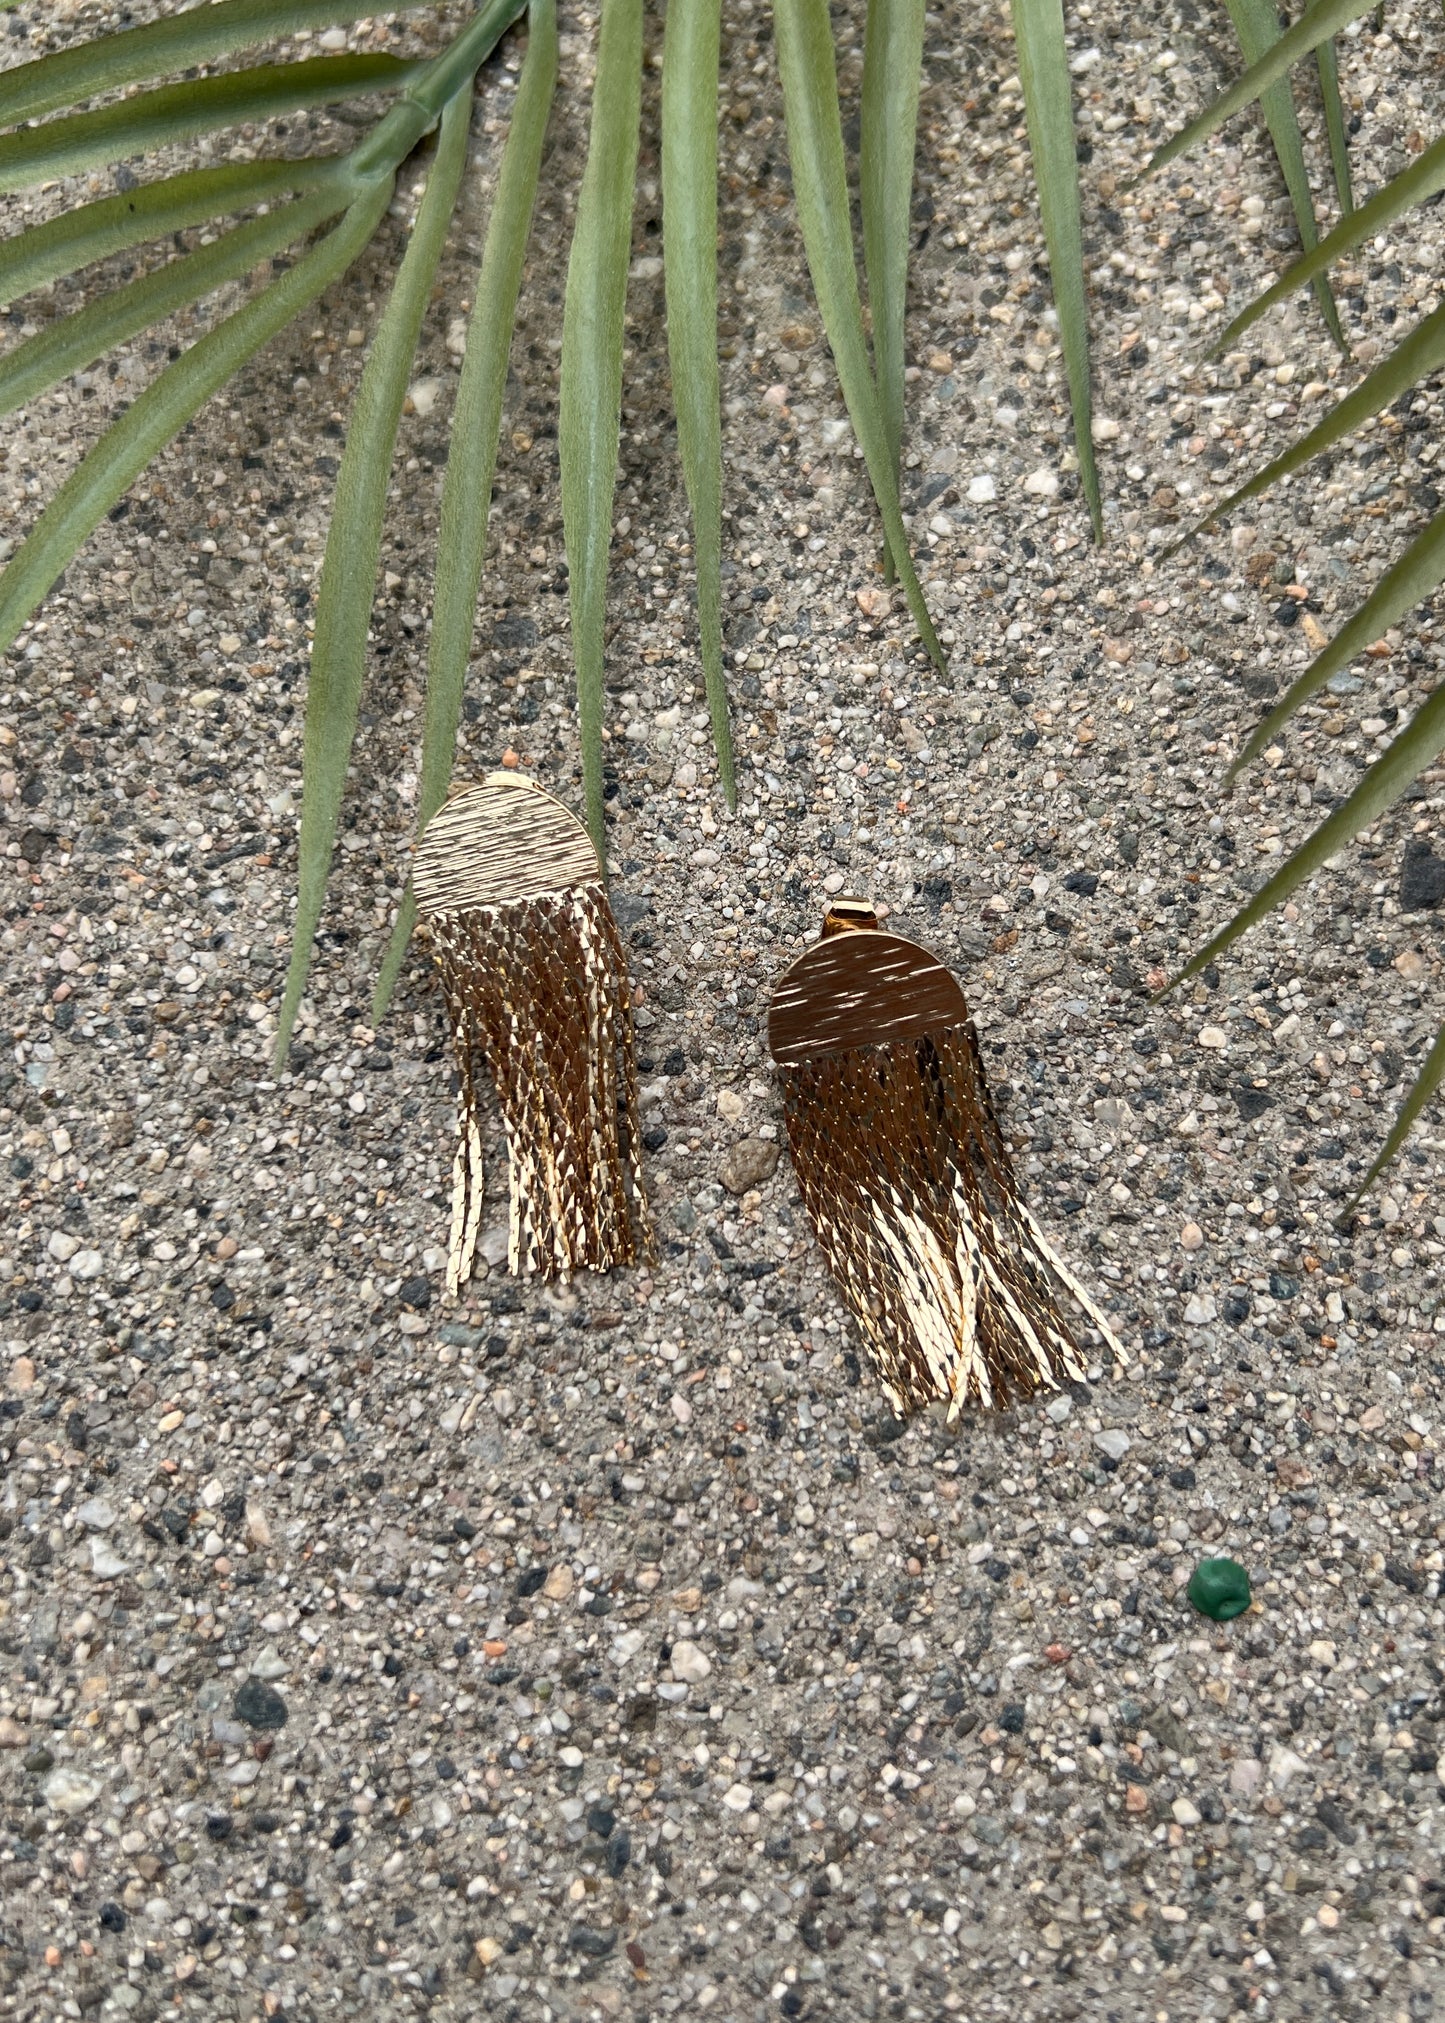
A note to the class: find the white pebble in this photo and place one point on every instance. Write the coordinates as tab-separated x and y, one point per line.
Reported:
1283	1765
70	1791
626	1647
689	1662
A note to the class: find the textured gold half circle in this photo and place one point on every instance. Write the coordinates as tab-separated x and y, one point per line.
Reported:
501	840
860	990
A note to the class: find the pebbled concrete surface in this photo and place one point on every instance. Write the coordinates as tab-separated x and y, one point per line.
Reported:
606	1651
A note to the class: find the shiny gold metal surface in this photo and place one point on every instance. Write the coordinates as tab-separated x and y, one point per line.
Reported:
510	894
906	1177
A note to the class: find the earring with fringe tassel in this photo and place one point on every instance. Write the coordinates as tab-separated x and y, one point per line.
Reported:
906	1177
510	891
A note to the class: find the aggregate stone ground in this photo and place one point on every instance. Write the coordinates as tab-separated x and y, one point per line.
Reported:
606	1650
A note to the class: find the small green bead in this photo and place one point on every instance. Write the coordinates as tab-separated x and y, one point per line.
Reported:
1219	1589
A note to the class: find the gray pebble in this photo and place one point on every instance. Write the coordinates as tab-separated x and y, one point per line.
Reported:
748	1164
260	1705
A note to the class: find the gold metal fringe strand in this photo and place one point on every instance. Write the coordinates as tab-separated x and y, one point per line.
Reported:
906	1177
510	891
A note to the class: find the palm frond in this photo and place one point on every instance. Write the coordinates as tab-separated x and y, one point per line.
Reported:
892	62
1316	25
1049	111
1327	62
1424	177
689	251
421	105
808	70
197	35
170	401
1407	1116
591	392
178	112
1422	352
167	404
1414	748
1422	567
1408	582
472	455
74	239
1257	26
353	547
71	343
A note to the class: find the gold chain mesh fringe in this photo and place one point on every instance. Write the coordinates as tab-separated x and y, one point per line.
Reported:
907	1180
536	987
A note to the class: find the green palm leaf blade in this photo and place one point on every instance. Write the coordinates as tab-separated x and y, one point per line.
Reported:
423	102
809	76
1327	62
72	343
1425	175
1257	26
177	112
165	407
1420	1092
590	418
353	546
1407	755
1419	354
472	459
1049	111
1316	25
1408	582
75	239
892	67
199	35
689	253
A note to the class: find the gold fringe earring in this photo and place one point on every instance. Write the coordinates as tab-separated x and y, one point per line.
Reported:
906	1177
510	890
